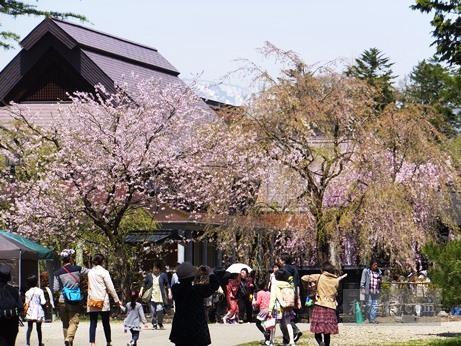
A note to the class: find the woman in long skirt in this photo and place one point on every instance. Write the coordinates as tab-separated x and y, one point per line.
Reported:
324	321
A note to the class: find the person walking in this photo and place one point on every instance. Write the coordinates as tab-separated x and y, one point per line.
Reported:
261	302
370	285
100	286
232	288
67	282
324	321
285	262
49	305
282	303
134	317
245	296
34	299
157	287
10	308
189	324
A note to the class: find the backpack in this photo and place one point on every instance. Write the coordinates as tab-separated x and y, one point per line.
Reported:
287	297
9	302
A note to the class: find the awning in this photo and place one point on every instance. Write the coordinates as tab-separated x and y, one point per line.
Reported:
26	245
155	237
10	249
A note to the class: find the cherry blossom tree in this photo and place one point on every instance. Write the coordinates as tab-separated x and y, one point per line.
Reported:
112	153
354	182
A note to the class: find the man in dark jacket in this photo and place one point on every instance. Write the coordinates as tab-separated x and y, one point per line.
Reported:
285	262
160	294
189	321
68	277
10	308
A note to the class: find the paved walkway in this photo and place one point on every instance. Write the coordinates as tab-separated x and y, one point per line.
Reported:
225	335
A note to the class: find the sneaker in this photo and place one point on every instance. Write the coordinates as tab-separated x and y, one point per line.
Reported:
161	327
297	336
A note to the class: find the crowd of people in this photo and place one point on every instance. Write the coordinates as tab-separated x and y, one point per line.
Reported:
195	294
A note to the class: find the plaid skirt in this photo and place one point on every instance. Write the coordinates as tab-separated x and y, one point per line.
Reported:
324	321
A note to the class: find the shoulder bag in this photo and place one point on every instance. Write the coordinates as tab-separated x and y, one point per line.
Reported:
147	294
71	294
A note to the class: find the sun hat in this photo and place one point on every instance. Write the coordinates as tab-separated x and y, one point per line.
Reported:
67	253
186	270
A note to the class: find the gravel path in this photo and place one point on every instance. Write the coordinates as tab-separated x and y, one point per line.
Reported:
222	335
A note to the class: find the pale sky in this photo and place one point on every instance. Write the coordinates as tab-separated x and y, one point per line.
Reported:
206	36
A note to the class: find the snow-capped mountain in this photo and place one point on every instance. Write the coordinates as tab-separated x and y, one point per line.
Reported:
221	92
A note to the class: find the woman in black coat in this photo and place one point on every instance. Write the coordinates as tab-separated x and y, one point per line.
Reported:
189	322
10	308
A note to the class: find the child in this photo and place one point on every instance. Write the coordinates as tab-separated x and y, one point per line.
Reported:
282	302
261	302
134	315
33	309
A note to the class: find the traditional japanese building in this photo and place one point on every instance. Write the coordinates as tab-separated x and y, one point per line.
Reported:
59	58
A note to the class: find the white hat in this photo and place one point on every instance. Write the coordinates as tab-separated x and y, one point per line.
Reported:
67	253
186	270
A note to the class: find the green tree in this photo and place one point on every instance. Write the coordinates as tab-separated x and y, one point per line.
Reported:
437	86
446	269
21	8
447	27
376	69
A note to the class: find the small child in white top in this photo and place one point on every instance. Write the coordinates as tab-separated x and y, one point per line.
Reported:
34	300
134	317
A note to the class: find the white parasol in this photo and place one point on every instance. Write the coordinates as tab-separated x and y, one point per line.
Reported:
237	267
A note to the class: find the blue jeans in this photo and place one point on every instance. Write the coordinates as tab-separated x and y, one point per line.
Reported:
372	307
156	310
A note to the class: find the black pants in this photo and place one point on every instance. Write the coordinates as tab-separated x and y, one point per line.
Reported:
105	324
30	326
245	309
8	331
267	334
134	336
286	338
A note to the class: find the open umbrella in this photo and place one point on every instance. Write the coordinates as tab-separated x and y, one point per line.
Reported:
237	267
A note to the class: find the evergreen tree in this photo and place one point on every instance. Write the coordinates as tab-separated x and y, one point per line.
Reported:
20	8
446	270
447	27
432	84
376	69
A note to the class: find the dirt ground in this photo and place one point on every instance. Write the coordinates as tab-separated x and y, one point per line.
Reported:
227	335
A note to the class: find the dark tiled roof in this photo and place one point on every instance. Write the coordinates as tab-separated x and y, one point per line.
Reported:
117	46
120	71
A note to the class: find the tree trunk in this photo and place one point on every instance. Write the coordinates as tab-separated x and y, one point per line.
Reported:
120	267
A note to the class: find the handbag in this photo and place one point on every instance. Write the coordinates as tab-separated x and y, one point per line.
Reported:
147	295
95	303
26	306
269	323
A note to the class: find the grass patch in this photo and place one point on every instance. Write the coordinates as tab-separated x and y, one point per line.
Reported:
449	341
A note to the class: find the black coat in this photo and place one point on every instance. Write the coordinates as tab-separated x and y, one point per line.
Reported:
189	322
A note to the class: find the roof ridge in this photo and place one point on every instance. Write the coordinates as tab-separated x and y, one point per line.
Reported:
103	33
